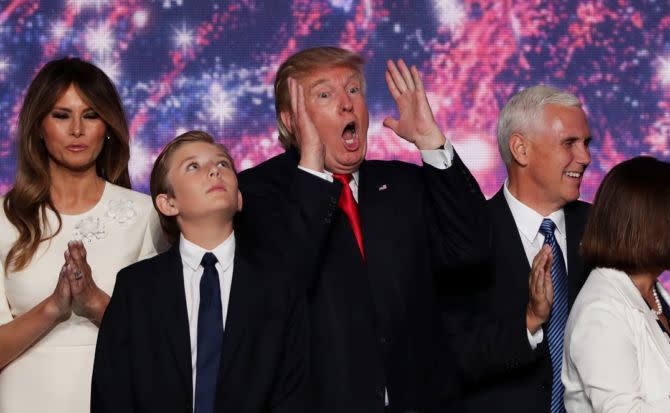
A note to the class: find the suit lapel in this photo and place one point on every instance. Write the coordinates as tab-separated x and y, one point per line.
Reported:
634	300
242	309
372	217
574	226
175	313
511	251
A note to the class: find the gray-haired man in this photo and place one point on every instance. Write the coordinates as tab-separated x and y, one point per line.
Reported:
512	350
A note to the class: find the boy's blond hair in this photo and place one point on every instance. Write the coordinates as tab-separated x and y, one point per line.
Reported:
160	183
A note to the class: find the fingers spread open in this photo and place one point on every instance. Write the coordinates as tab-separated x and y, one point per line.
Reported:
391	85
417	79
406	75
397	78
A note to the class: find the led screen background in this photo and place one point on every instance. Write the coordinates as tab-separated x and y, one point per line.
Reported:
209	65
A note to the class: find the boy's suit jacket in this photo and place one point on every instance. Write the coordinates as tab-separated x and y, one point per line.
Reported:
143	355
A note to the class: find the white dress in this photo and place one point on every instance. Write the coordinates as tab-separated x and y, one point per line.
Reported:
54	375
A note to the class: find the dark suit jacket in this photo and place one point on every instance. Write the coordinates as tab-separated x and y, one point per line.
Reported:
485	315
143	355
374	324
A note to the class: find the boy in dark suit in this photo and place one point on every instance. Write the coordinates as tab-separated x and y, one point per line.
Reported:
211	325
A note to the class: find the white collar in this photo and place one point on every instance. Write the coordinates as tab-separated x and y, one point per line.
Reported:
354	176
622	282
528	220
191	254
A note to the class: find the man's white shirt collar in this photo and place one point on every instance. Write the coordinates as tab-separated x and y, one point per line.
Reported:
353	184
528	220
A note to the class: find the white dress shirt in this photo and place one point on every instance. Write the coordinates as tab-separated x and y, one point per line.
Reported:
528	223
191	256
437	158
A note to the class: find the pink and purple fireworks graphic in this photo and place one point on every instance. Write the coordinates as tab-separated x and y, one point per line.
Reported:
210	65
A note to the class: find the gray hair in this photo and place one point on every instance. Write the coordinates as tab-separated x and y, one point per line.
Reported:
526	107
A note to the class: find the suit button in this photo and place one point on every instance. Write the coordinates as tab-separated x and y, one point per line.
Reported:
383	340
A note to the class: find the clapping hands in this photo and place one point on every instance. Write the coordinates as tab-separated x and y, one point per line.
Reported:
76	290
540	290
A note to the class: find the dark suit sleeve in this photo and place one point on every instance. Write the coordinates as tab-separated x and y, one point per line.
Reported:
487	349
294	217
290	394
112	383
486	344
457	220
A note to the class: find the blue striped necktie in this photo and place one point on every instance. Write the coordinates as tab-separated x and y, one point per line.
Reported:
559	314
210	336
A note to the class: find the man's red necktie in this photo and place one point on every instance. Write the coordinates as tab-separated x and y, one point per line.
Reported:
348	205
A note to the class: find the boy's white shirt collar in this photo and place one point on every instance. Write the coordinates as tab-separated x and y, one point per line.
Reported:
191	253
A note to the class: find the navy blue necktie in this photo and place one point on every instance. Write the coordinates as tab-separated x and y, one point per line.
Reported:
559	314
210	336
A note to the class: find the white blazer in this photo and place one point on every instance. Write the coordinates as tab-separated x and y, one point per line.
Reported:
616	358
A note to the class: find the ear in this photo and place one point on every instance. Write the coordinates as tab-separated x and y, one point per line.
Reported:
286	118
518	146
166	205
239	200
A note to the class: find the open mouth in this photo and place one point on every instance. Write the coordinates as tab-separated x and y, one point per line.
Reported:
350	136
573	174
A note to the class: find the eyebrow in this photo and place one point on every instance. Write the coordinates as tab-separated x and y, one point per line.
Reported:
222	155
590	137
183	161
65	109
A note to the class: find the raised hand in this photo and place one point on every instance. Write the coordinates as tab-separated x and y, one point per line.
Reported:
416	123
87	299
312	151
540	290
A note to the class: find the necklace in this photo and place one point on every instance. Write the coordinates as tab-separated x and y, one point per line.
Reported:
659	310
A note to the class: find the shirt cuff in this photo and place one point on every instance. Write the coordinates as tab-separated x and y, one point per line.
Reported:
321	175
439	158
535	339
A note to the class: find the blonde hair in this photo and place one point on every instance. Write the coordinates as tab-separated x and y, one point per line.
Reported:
301	64
160	184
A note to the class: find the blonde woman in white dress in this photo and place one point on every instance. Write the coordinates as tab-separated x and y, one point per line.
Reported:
70	206
616	356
